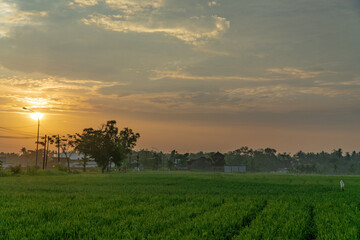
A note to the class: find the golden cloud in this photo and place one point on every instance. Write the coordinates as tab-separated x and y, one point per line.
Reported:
295	72
194	30
11	16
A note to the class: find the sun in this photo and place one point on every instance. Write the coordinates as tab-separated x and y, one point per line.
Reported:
36	115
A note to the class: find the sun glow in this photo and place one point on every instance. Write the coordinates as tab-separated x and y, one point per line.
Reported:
36	115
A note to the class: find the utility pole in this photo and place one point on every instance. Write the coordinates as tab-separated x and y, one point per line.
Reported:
163	163
37	143
38	116
137	162
47	151
58	140
44	152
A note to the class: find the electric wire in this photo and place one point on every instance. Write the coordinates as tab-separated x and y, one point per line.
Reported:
15	137
20	134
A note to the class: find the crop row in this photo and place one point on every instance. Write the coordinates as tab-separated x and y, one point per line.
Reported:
179	206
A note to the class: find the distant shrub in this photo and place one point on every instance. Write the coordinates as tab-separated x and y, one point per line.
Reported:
93	170
15	169
61	168
2	173
305	168
32	170
75	172
51	172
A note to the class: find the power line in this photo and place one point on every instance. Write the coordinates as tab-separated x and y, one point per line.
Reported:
27	126
15	137
47	131
16	131
22	134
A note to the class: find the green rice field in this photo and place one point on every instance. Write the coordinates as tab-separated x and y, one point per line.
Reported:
179	205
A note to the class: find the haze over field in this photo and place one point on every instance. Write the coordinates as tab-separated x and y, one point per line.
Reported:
189	75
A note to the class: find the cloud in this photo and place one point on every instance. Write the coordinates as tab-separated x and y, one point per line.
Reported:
131	7
278	91
158	16
56	94
126	6
11	16
286	91
298	73
84	3
193	30
212	3
178	74
350	83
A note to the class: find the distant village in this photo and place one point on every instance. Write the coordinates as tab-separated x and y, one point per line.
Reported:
214	163
240	160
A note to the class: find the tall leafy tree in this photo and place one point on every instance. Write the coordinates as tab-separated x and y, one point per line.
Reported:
107	144
67	145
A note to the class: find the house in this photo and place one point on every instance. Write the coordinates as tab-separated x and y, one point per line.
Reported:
2	158
75	160
135	164
175	161
218	160
232	169
283	170
215	163
6	165
202	164
3	163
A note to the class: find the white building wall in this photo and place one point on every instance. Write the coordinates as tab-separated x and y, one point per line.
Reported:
231	169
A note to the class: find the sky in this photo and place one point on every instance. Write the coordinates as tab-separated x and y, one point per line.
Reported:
190	75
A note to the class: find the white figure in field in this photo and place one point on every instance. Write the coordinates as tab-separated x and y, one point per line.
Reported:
342	185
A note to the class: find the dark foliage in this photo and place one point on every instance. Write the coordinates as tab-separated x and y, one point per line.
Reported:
107	144
15	169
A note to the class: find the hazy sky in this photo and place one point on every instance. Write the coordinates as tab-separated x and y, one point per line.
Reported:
189	75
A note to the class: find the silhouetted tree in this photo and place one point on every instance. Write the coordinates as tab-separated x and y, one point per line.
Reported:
107	144
67	145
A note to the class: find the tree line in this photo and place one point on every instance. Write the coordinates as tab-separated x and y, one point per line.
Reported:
259	160
108	145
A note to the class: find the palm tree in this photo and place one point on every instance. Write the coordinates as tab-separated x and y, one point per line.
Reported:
23	150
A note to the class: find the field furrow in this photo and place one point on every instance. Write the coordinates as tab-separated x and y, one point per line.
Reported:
179	206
